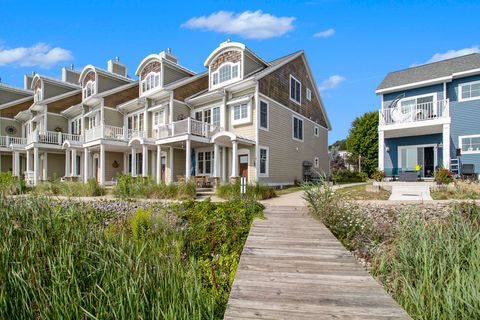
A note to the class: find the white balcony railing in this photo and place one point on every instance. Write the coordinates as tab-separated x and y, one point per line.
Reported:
186	126
414	113
106	132
72	138
51	137
7	141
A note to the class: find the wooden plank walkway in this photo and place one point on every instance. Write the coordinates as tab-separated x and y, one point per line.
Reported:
292	267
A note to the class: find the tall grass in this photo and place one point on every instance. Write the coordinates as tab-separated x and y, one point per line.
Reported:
128	187
255	191
433	268
70	188
10	185
65	263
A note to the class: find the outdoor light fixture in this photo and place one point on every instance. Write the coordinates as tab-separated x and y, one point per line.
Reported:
387	149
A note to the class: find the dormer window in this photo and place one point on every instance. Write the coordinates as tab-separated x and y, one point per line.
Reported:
89	89
38	95
151	81
227	72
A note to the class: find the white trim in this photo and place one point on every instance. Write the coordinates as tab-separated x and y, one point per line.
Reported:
416	146
316	162
415	85
260	115
316	131
224	45
460	144
229	81
309	94
293	128
292	111
434	94
267	165
460	91
290	90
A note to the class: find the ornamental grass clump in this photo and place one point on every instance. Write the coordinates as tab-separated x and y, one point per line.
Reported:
10	185
70	188
257	191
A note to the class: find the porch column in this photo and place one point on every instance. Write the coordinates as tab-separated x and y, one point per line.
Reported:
159	164
102	164
144	161
446	146
188	159
170	156
68	162
17	164
35	166
45	166
224	164
134	162
381	150
86	158
234	158
28	161
216	160
74	162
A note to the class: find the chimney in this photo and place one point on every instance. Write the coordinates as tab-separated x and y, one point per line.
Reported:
168	56
114	66
27	81
70	75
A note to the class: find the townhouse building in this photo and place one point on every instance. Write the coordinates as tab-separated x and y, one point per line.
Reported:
430	117
243	116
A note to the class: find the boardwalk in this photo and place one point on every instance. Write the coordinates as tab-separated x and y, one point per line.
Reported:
292	267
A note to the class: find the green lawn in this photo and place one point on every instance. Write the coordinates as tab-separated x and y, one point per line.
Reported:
359	193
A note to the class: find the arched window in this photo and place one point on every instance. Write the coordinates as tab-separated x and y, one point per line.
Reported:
38	95
227	71
89	89
151	81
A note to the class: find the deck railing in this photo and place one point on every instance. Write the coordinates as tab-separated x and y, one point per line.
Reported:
105	132
7	141
186	126
415	112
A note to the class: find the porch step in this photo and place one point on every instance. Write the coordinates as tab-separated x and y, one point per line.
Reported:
203	193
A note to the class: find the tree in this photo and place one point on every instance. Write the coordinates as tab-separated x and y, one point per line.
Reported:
338	145
362	140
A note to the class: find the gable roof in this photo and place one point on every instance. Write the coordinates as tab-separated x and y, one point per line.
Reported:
441	71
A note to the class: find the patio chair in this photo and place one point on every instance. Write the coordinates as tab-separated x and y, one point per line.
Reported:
468	171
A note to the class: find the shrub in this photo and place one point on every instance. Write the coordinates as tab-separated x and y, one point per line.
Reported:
255	191
377	175
70	188
443	176
10	185
129	187
347	176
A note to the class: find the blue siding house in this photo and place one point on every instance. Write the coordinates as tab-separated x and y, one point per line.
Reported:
430	117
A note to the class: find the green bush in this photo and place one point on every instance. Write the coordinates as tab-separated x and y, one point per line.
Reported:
129	187
10	185
443	176
347	176
377	175
255	191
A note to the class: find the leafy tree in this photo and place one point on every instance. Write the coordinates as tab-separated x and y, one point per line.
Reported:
339	145
362	140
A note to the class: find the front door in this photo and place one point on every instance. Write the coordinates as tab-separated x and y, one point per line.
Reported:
243	166
428	162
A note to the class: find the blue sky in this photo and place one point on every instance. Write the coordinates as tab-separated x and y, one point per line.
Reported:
350	45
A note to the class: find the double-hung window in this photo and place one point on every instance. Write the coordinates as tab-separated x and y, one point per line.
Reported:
263	115
135	122
205	162
76	126
469	91
469	144
297	128
263	153
241	113
94	120
295	90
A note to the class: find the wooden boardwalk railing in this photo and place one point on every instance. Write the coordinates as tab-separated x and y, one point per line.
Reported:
292	267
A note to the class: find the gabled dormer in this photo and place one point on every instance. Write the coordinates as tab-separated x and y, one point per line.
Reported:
44	88
94	80
231	62
157	71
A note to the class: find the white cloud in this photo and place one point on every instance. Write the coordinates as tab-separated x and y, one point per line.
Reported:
248	24
331	83
453	53
41	55
324	34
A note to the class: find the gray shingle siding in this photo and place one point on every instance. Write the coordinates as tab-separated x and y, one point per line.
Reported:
431	71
